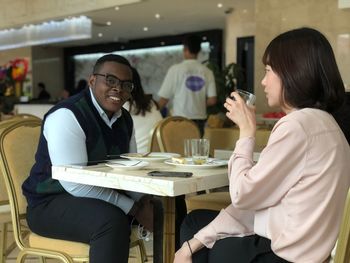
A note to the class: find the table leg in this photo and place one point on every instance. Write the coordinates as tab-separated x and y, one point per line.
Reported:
169	229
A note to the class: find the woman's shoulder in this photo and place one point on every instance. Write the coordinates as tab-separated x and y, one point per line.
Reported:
309	121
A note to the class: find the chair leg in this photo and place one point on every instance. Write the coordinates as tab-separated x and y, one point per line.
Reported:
2	242
142	251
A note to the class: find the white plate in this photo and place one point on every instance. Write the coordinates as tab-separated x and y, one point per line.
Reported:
126	164
152	157
211	163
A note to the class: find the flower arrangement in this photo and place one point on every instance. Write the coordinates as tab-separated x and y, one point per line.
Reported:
12	76
14	71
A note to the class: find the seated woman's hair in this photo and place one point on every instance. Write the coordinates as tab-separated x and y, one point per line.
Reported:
139	99
304	60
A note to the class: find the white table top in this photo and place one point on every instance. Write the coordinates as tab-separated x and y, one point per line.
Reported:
139	181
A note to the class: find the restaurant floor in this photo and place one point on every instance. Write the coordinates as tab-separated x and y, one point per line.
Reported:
133	252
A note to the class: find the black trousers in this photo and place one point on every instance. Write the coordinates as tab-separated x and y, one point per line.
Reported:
104	226
200	124
247	249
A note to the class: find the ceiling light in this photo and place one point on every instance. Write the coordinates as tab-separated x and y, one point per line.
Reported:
116	8
100	35
48	32
157	16
108	23
220	5
145	28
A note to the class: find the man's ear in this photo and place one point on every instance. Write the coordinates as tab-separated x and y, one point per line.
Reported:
92	80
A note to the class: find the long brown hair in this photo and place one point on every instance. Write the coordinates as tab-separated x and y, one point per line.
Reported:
141	101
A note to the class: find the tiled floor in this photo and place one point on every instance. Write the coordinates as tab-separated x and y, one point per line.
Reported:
30	259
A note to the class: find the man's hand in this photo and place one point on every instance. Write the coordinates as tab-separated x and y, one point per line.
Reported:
144	214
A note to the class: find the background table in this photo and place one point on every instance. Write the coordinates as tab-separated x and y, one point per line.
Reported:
139	181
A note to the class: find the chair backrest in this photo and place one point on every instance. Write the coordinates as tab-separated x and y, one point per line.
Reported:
3	192
153	145
25	116
342	253
172	132
18	144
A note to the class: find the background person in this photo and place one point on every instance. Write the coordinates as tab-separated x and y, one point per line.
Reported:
144	112
43	94
84	129
82	84
287	207
190	84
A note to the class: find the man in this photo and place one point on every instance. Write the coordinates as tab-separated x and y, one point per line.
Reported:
43	95
86	128
190	84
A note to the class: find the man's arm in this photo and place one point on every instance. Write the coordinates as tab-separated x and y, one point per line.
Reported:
162	102
68	147
211	101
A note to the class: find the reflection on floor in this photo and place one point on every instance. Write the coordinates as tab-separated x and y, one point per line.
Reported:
30	259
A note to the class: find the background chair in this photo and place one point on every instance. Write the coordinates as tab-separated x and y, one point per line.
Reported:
171	133
18	144
153	145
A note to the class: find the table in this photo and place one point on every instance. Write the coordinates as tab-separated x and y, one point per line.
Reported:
139	181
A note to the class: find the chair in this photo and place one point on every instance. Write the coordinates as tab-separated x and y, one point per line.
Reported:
18	141
342	253
172	131
25	116
153	145
5	213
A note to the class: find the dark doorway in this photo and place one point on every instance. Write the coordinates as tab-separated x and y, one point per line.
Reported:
245	59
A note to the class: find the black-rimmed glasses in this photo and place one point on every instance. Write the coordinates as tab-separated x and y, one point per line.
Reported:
112	82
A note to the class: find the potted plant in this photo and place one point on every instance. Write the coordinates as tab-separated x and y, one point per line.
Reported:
225	80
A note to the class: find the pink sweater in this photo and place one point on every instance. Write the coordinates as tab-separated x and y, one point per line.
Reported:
295	194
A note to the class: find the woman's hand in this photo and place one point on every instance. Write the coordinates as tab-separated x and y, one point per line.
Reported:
241	114
183	255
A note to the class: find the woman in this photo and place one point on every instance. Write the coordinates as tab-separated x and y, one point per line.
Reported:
287	207
144	113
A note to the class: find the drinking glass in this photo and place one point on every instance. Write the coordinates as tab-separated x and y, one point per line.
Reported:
187	148
248	97
200	150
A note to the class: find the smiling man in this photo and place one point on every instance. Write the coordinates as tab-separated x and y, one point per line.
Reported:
87	128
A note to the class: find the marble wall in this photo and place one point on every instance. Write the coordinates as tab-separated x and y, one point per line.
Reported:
272	17
19	12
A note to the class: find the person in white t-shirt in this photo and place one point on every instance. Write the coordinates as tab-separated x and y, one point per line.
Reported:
190	84
144	112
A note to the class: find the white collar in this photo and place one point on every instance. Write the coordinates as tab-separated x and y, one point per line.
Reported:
102	113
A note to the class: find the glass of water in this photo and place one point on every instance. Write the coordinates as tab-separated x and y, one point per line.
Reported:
248	97
200	150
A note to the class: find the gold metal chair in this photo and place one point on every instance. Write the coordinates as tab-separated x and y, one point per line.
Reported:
5	214
153	145
173	130
342	253
18	143
25	116
171	133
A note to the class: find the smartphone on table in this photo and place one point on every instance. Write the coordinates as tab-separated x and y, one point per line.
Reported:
170	174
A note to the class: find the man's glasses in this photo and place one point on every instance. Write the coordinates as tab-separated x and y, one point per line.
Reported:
112	82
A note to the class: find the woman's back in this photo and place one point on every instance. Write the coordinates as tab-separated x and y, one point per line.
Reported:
143	125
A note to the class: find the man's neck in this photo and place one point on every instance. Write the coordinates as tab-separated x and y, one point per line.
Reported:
190	56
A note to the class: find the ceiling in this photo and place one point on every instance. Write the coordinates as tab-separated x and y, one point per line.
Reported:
176	17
